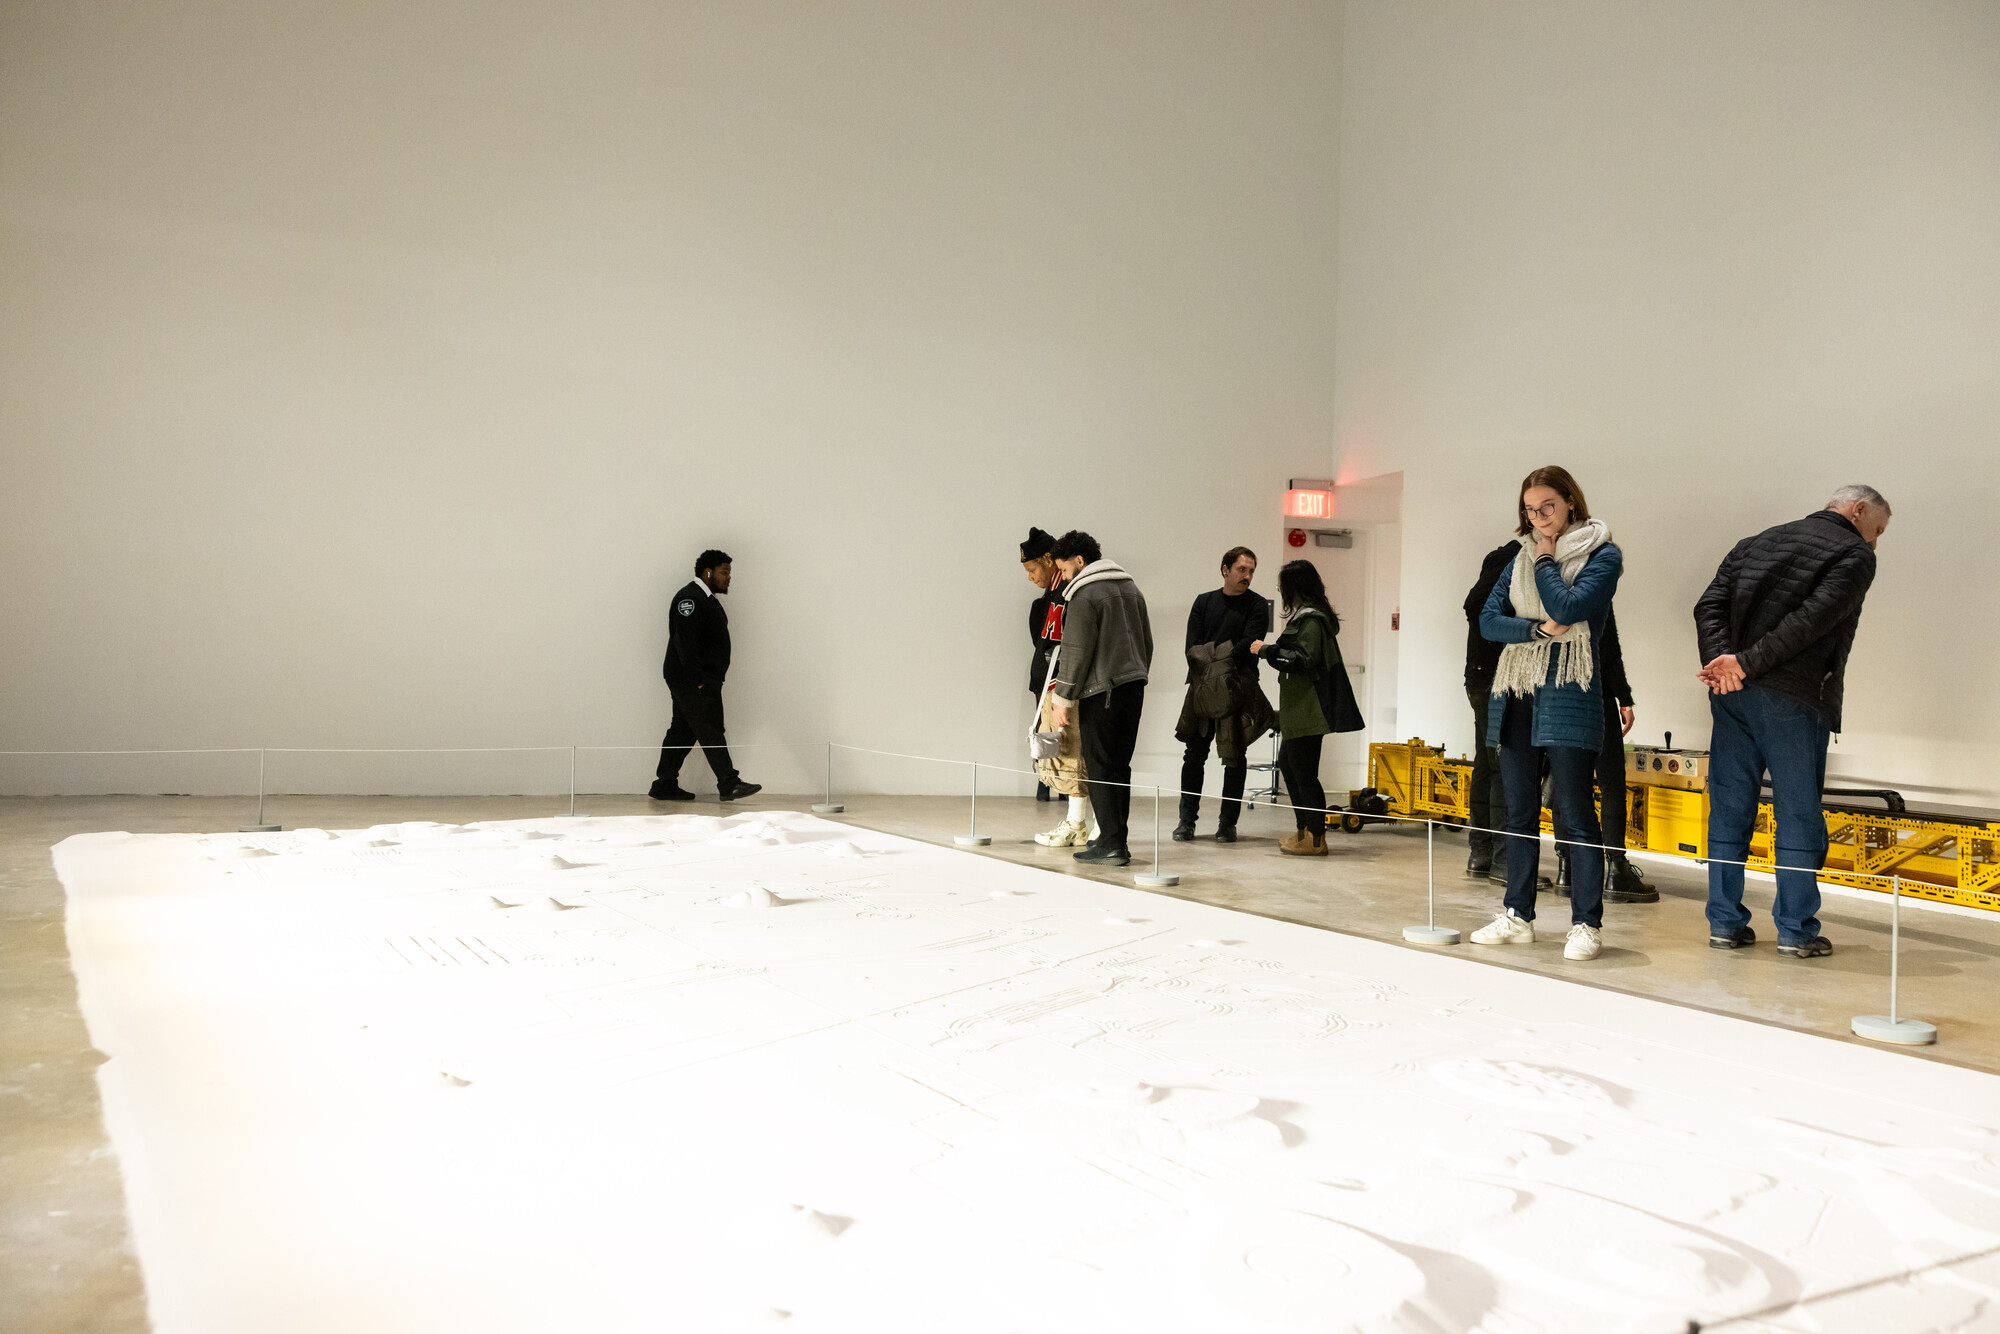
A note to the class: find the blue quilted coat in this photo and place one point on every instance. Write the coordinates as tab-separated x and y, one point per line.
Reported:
1566	715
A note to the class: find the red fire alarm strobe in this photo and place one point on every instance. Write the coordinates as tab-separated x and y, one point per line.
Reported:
1295	537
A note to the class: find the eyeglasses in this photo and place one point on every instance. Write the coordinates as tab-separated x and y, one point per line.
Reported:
1545	510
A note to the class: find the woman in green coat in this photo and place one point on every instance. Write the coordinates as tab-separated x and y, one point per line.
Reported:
1314	698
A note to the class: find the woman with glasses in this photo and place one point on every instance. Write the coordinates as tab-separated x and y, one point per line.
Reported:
1548	613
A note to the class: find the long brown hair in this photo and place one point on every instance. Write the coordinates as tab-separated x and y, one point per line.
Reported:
1557	480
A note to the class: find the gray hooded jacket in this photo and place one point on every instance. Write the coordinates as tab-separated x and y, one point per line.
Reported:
1107	639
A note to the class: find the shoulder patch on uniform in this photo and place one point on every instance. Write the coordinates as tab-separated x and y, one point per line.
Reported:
685	606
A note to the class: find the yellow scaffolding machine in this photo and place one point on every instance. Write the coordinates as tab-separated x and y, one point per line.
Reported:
1949	859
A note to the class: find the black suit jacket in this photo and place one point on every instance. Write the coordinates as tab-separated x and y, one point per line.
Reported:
697	639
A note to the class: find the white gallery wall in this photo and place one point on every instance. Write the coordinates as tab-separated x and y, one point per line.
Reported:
370	375
1717	259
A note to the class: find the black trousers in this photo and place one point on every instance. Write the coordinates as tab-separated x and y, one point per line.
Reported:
1487	798
1110	723
1298	761
1611	776
697	722
1194	766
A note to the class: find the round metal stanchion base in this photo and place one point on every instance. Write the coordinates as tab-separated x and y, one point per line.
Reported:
971	840
1431	935
259	828
1154	880
1903	1032
572	815
827	808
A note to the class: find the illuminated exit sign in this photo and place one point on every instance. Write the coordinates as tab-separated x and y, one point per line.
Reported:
1308	504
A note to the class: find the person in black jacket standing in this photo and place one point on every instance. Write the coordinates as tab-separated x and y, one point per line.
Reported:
1488	850
697	661
1231	615
1045	615
1775	627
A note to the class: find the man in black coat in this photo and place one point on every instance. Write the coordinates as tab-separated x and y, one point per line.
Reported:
1775	626
697	661
1231	615
1482	657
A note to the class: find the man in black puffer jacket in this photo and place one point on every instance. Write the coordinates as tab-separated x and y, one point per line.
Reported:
1775	627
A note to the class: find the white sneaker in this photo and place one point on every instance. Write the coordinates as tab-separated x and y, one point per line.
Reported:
1582	943
1506	929
1068	834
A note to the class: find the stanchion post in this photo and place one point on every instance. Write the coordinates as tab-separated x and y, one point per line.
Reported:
973	839
1431	933
1892	1027
1154	879
260	827
829	806
572	815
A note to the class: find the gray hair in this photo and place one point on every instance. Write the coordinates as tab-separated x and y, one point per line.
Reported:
1867	495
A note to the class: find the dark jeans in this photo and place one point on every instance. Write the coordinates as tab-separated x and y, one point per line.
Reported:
1298	760
1757	730
1110	723
697	721
1609	775
1487	798
1194	764
1569	773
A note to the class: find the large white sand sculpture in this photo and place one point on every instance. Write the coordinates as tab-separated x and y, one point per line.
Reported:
692	1074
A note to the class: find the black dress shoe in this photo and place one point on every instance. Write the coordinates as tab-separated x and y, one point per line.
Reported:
1183	833
1624	884
739	789
1806	949
1226	834
669	792
1100	854
1477	866
1735	940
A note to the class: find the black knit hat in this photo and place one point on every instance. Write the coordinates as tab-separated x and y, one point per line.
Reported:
1039	543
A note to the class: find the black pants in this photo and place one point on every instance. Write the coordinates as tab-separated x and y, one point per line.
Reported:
1298	760
1194	766
697	721
1611	776
1569	780
1488	799
1110	734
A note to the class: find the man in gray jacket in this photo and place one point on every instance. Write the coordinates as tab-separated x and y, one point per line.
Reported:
1100	682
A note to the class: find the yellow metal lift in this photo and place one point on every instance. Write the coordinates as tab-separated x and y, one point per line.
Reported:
1948	859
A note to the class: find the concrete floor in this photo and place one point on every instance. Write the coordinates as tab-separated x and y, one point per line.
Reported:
67	1265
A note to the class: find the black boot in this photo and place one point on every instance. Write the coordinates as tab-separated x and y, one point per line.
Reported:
1479	861
1497	871
1226	833
1624	884
1561	885
1041	792
1190	807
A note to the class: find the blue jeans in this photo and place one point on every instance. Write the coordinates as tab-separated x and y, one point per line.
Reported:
1570	771
1755	730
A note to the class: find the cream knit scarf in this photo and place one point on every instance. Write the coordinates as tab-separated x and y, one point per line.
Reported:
1525	667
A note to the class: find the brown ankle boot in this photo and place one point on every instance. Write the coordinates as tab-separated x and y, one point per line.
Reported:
1300	844
1318	848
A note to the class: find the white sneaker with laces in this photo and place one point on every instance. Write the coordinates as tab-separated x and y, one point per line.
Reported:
1506	929
1068	834
1582	943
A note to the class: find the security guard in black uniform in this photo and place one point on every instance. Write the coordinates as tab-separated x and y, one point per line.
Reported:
697	660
